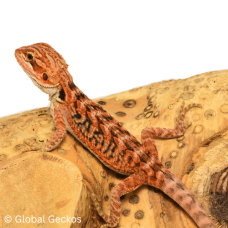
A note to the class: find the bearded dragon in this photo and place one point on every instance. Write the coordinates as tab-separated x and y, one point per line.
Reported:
105	137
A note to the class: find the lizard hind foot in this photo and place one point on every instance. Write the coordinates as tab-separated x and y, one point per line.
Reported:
96	204
105	226
98	207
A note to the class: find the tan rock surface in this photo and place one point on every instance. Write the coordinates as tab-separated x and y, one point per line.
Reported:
40	189
199	158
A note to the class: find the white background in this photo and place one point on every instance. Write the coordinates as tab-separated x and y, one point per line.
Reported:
111	46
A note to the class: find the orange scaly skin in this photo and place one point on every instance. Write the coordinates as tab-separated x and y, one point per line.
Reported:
104	136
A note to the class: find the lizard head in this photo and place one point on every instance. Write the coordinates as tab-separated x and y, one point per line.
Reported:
43	65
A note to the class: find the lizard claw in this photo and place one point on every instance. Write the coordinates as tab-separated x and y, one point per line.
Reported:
95	201
104	226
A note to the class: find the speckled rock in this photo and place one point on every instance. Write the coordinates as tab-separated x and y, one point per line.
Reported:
198	158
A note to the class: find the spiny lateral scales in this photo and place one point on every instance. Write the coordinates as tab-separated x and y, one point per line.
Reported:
111	143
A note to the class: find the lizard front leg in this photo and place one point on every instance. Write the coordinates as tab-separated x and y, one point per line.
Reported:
60	124
57	136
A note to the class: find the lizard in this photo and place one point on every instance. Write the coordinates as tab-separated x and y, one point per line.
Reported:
105	137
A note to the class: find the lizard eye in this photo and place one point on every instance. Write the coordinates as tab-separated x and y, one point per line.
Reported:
45	77
30	57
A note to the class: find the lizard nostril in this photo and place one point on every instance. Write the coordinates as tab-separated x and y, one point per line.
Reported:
45	77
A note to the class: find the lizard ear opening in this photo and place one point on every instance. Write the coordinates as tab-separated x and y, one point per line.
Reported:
45	76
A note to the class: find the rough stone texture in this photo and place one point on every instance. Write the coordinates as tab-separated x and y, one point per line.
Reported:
199	158
39	188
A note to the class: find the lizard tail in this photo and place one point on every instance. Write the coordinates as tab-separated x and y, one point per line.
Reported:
175	189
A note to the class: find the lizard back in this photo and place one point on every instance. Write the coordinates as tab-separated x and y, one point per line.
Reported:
103	135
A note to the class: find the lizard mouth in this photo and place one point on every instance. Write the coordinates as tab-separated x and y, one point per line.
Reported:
35	81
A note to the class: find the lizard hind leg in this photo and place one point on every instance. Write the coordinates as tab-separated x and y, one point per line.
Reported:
170	133
166	181
129	184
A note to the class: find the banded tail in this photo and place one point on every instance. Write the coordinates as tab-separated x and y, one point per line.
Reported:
175	189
